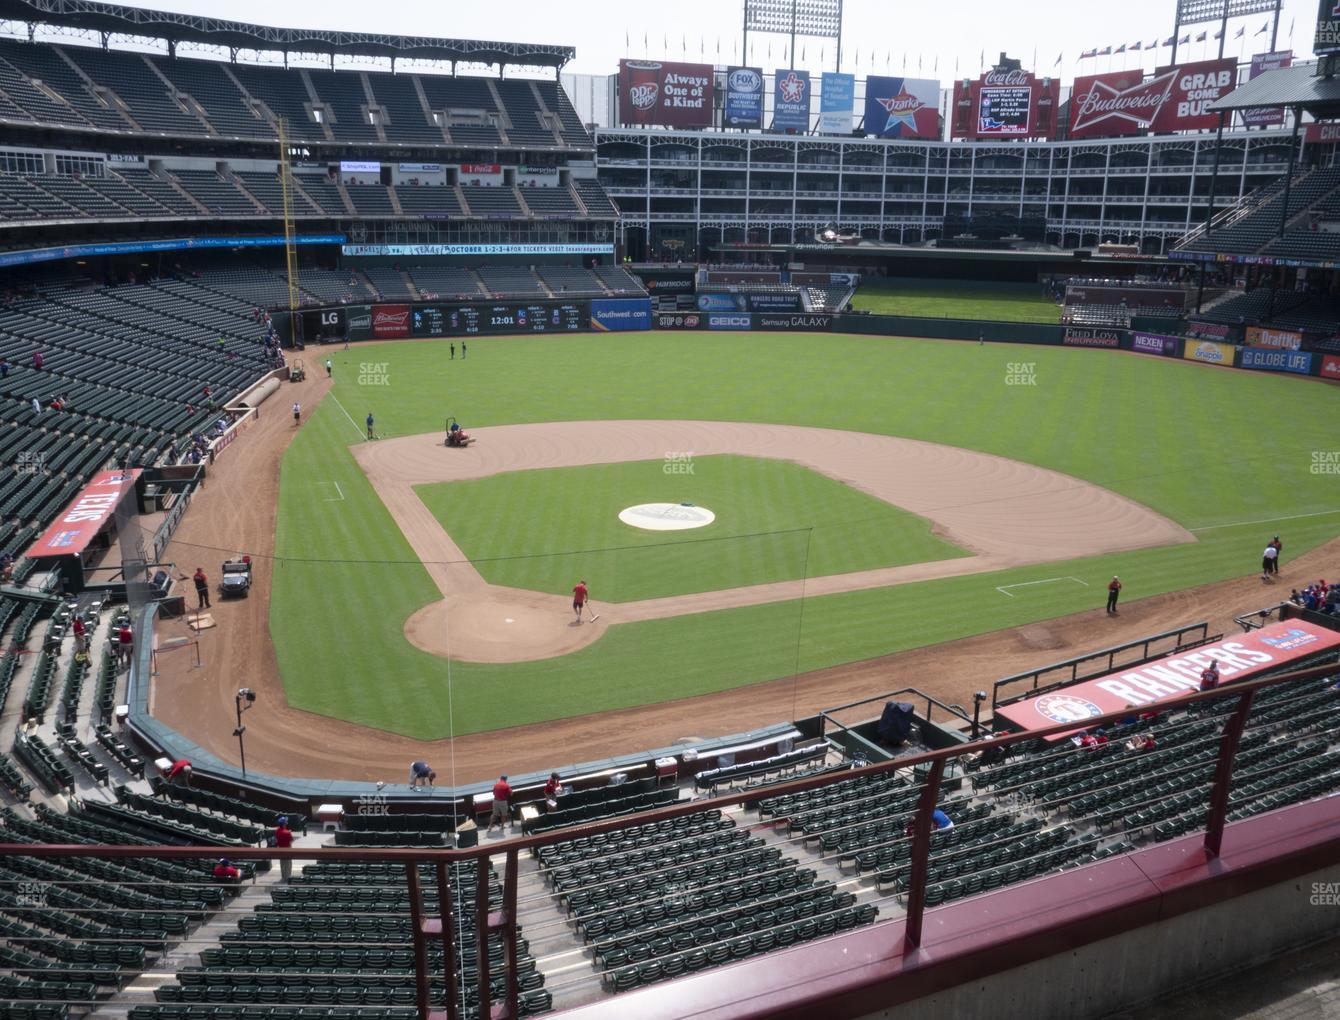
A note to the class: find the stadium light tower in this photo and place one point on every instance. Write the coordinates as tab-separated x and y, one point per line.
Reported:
817	19
1197	12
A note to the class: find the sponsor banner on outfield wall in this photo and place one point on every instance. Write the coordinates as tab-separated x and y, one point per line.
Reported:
1272	359
1164	297
801	322
764	301
1156	343
723	303
791	100
72	531
1208	351
1005	103
735	321
1214	331
670	94
902	107
619	315
1089	336
1330	366
401	250
744	98
666	281
1284	339
679	320
358	322
837	99
1242	657
390	322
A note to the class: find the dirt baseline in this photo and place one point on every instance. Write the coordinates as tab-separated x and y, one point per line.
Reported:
1004	512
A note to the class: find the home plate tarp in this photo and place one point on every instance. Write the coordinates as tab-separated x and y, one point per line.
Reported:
1239	658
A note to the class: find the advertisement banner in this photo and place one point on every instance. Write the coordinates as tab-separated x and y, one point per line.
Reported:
1209	352
1116	103
723	303
836	102
744	98
791	101
488	175
1156	343
1005	103
1330	366
1324	132
358	322
737	321
1241	657
669	94
764	301
482	319
1271	359
1283	339
1194	88
1089	336
679	320
1270	116
93	507
390	322
1327	39
537	176
802	322
620	315
666	281
902	107
553	248
1215	331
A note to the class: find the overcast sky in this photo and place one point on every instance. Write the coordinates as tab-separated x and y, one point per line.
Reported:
879	36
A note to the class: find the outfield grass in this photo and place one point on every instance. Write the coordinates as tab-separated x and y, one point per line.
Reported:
775	521
934	299
1225	453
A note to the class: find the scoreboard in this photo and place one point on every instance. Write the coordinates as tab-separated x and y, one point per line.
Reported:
486	319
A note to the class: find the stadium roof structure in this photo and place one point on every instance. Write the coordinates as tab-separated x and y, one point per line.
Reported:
1298	86
175	28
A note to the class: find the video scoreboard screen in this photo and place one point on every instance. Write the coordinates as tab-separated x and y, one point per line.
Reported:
483	320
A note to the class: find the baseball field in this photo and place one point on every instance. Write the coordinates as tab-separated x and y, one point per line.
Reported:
871	495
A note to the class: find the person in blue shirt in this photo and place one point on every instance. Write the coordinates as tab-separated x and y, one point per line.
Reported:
370	424
942	821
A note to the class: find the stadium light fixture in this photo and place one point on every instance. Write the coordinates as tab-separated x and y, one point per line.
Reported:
815	18
1195	12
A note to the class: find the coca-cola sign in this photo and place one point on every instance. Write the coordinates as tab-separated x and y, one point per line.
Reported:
1014	77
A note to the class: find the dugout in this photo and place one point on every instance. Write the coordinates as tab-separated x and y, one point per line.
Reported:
102	539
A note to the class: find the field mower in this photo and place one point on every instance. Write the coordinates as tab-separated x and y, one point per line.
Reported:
296	373
457	436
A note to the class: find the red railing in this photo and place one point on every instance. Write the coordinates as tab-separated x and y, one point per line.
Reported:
503	921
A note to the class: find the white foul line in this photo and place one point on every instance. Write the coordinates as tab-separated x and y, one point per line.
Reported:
1025	584
1268	520
338	490
346	413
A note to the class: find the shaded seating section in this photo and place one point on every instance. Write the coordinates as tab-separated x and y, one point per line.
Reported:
405	118
620	281
42	62
662	899
447	282
158	189
511	281
220	196
777	766
1251	306
148	99
370	199
572	281
208	85
1317	313
339	936
323	191
268	189
557	202
428	199
388	283
1255	225
595	199
527	125
570	125
489	202
283	95
343	94
599	803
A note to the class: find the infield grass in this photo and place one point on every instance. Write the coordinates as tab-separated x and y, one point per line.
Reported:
1227	454
775	521
951	299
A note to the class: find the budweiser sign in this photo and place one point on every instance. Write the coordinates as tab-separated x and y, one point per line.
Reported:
1015	77
1105	104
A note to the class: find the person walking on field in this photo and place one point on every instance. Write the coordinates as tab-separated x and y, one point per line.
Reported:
201	588
453	352
1269	562
579	599
462	350
370	424
1113	591
328	368
297	412
1275	560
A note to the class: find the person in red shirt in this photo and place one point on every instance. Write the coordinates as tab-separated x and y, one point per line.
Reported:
283	838
1209	676
552	788
125	643
80	635
579	599
502	805
225	872
180	772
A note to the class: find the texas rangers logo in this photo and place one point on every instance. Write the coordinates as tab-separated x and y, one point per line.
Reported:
792	88
1063	708
902	110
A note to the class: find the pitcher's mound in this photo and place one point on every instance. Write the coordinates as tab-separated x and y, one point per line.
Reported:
504	625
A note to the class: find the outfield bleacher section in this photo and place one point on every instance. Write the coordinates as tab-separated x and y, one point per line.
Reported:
1254	226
